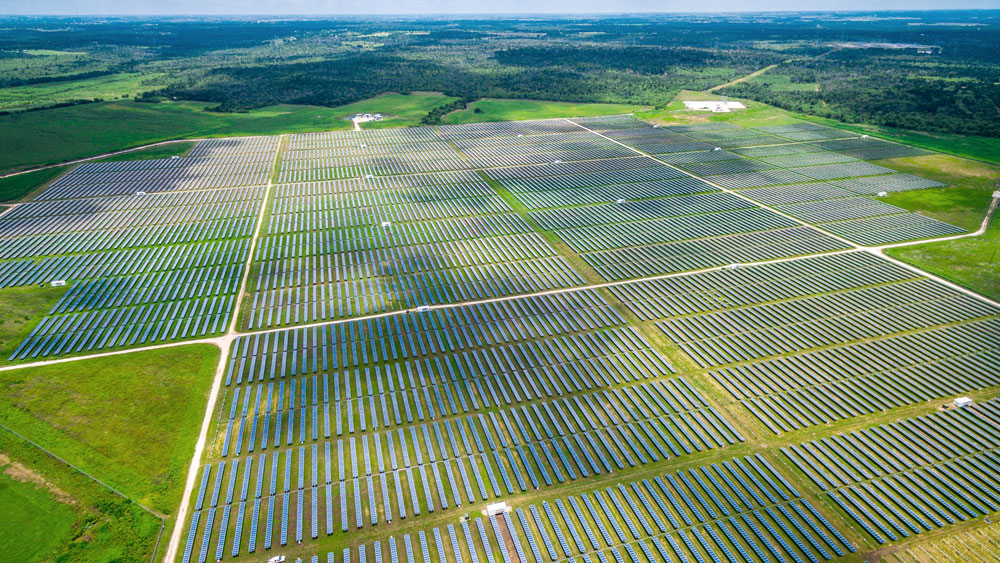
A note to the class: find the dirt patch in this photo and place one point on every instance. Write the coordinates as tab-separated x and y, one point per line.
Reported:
24	474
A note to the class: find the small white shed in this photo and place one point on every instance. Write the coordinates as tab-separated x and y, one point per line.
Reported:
496	508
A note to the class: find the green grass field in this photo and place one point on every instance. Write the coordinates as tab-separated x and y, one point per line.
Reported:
20	310
512	110
58	135
783	83
399	110
131	420
59	514
35	524
964	204
970	146
972	262
111	86
756	114
16	187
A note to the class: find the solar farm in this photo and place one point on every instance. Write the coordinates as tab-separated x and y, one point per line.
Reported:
591	340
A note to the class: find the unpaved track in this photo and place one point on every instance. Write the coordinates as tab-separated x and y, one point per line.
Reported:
742	78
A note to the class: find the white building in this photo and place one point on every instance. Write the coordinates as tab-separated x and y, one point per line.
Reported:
496	508
718	106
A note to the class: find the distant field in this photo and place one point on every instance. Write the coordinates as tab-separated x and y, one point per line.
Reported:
105	87
783	83
513	110
980	148
399	110
756	114
131	420
17	187
57	135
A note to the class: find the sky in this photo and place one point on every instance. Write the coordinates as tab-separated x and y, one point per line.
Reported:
335	7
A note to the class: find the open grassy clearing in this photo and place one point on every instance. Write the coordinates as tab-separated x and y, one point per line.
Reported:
15	188
57	135
21	308
54	513
111	86
972	262
756	114
964	204
35	521
491	109
783	83
398	110
130	420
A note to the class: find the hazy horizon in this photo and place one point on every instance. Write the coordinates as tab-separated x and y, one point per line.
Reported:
456	7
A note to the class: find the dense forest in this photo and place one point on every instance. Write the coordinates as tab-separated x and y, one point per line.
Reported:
930	71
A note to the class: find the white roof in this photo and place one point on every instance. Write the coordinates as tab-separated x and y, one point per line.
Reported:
714	105
496	508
